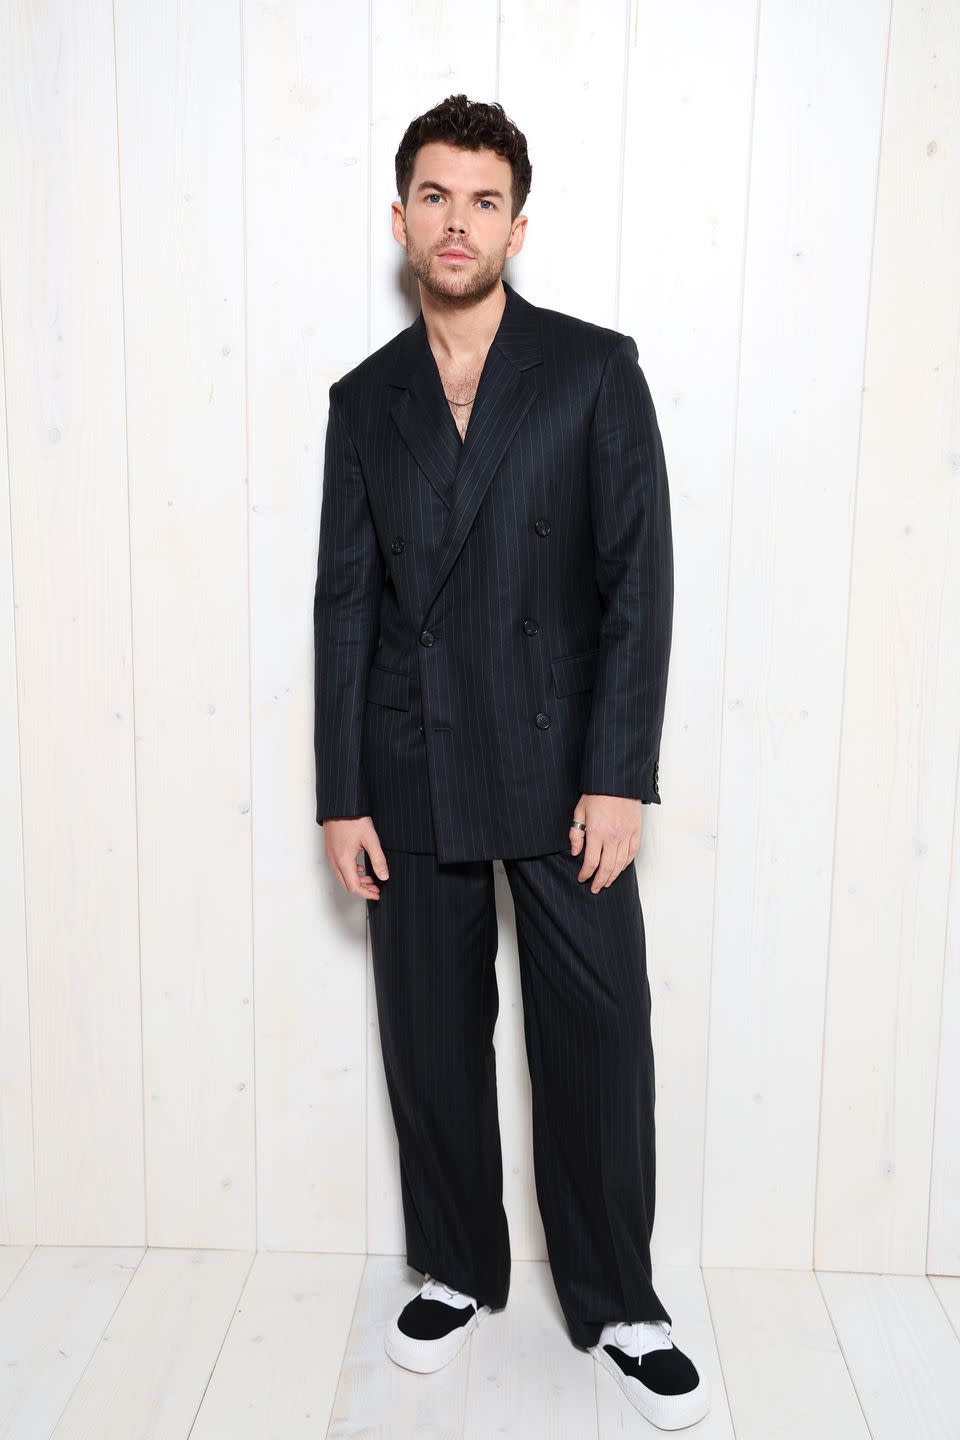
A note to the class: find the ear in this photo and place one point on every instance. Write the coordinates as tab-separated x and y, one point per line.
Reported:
517	235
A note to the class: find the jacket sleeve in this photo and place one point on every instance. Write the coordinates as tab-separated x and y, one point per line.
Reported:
633	543
346	621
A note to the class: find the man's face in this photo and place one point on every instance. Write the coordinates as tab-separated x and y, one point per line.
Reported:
459	200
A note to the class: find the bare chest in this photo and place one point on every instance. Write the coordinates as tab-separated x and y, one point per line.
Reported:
460	387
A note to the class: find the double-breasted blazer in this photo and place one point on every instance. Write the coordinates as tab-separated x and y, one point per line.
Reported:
492	617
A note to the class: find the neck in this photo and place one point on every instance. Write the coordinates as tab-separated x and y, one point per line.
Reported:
456	331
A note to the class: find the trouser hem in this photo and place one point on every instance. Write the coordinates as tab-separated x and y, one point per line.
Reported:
495	1300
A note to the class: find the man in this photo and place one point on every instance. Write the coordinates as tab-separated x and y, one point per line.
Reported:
492	620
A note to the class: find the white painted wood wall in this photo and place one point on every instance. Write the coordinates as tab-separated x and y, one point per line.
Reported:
194	242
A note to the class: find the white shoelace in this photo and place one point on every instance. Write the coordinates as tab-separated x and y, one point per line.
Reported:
434	1289
642	1335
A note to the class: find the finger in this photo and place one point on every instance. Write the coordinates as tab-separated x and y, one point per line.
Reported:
376	857
369	887
591	855
350	878
368	884
603	870
576	837
620	862
606	869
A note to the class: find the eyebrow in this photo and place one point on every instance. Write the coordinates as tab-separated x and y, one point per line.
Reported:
435	185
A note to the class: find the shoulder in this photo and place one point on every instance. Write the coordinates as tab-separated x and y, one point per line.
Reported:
374	368
584	343
560	325
597	361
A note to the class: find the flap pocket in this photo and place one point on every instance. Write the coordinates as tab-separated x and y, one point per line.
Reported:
575	672
388	687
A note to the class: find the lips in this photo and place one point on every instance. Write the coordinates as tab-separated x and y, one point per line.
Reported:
457	254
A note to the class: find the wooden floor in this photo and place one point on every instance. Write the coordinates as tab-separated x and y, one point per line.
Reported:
119	1344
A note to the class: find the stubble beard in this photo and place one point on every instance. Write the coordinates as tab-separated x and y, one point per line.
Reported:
453	285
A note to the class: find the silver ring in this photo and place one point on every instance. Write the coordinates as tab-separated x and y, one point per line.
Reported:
577	825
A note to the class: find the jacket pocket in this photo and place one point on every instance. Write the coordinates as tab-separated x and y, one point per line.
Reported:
575	672
388	687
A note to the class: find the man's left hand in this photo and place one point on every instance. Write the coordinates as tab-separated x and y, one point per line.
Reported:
612	837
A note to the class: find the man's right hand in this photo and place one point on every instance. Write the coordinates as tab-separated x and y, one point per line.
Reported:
343	842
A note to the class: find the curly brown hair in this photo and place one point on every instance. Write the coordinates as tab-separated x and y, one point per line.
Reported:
471	125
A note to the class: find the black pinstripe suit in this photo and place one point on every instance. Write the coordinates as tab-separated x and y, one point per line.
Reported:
493	627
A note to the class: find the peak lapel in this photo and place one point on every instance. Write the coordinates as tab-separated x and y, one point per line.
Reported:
421	413
461	472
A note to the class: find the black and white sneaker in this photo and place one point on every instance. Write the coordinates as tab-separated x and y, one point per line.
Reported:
655	1376
429	1329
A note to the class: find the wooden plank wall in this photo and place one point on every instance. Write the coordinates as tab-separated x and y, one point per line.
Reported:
194	242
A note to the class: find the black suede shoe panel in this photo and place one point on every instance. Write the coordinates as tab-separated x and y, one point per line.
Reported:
431	1319
666	1372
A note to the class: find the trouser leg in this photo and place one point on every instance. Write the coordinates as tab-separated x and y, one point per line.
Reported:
586	1011
434	941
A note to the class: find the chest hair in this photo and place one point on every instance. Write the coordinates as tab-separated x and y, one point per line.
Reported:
460	387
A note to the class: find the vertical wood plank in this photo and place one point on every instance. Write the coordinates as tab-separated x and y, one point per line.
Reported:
66	434
806	282
901	698
306	153
562	77
943	1241
17	1215
680	262
181	185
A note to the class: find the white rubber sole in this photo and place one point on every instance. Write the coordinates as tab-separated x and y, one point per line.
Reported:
667	1412
424	1356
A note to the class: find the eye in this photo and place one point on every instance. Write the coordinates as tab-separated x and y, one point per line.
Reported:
488	202
433	194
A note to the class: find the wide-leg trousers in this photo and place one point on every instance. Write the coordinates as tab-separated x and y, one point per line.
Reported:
586	1018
